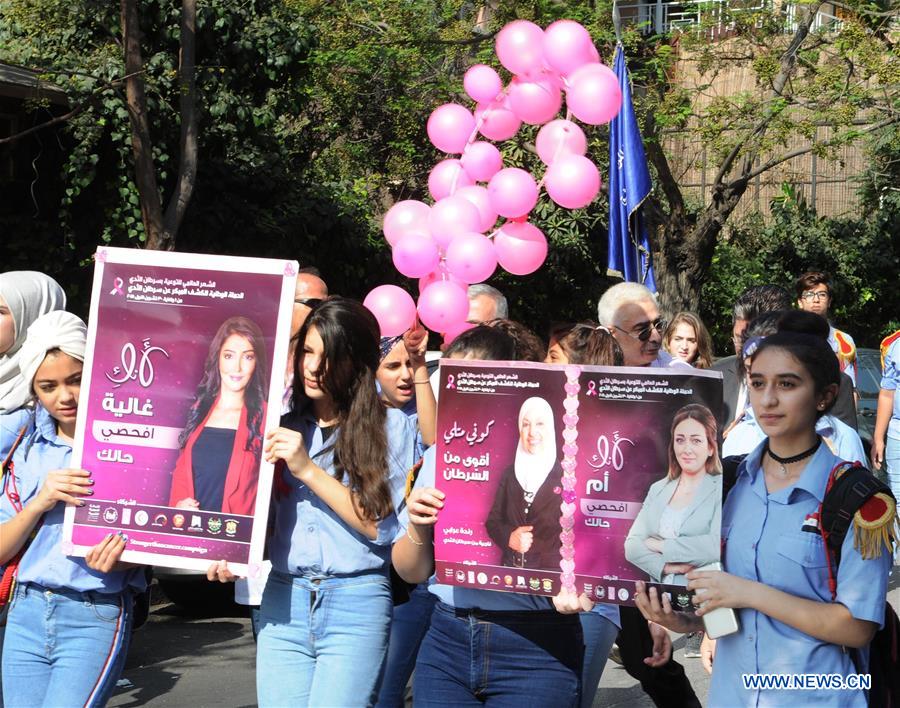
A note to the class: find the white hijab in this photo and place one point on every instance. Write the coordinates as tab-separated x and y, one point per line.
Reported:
532	468
55	330
28	295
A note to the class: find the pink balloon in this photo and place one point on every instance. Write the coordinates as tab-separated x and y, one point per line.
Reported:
497	121
454	331
437	275
567	45
480	198
482	83
513	192
572	181
481	161
393	308
450	216
449	127
415	255
446	177
471	257
519	46
521	247
558	138
408	216
443	305
594	96
534	102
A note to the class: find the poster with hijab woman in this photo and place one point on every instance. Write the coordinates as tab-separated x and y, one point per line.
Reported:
584	477
174	405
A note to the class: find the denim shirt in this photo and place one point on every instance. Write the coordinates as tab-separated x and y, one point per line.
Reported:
309	537
44	563
765	541
469	598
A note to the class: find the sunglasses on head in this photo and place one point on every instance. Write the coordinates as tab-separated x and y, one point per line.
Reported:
310	302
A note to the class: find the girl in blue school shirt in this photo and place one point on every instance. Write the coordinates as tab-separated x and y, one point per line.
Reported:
326	608
70	618
775	558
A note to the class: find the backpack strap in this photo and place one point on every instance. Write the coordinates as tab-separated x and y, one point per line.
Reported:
855	496
8	459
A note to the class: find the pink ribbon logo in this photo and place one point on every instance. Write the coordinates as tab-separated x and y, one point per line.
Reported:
117	287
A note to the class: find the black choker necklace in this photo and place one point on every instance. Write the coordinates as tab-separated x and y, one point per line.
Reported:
793	458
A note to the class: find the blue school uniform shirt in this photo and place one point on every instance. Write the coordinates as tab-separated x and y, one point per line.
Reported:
11	424
309	537
469	598
765	541
890	380
44	563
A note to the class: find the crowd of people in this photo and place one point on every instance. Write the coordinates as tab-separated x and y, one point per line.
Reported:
348	610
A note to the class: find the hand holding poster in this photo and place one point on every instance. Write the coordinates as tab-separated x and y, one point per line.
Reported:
185	352
589	478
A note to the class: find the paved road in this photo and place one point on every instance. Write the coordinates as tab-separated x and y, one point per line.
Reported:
187	661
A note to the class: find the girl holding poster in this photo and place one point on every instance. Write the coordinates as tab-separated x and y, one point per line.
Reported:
76	658
221	445
777	567
342	463
482	646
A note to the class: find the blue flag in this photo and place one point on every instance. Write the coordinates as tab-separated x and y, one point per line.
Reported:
629	186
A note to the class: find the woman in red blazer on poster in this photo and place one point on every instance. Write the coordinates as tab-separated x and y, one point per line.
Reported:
218	467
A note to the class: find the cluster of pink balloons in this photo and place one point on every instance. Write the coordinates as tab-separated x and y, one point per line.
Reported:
457	240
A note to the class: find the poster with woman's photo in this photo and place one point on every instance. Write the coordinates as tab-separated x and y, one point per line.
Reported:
602	475
183	375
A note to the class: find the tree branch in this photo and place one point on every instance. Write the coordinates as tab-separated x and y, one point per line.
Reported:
187	165
142	147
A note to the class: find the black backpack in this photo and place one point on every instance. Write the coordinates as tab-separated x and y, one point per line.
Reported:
852	490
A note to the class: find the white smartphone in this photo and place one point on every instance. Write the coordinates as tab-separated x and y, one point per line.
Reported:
722	620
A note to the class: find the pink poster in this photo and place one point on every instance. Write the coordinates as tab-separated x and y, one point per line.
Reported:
592	477
183	375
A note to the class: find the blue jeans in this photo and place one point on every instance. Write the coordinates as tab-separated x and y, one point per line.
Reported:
64	648
599	636
515	659
322	641
411	621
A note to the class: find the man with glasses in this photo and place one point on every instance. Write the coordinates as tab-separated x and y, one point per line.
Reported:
630	313
814	295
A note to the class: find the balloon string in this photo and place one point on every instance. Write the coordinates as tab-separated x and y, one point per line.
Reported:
498	99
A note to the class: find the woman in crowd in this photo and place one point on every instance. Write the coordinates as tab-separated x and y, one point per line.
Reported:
403	383
70	618
524	518
342	459
776	572
677	528
745	433
24	296
583	343
221	445
686	338
483	646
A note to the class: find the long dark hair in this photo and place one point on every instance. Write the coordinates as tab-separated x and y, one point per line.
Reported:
211	383
350	340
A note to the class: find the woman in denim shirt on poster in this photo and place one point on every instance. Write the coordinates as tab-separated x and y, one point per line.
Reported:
342	463
70	618
776	562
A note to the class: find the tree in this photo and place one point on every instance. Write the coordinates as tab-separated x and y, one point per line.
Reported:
843	76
